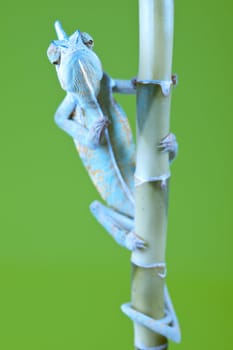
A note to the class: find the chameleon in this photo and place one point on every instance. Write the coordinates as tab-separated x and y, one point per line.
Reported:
103	138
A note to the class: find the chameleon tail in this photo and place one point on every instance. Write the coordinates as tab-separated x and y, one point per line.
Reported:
168	326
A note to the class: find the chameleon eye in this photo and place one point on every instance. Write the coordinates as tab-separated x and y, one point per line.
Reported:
90	43
54	54
87	40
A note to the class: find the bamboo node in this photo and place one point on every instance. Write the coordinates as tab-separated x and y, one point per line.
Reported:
164	84
139	180
156	265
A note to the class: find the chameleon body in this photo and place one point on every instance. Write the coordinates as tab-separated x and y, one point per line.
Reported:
95	121
102	136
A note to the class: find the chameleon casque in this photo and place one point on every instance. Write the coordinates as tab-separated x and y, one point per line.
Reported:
103	138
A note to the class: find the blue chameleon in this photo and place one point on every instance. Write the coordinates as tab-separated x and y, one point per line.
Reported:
103	138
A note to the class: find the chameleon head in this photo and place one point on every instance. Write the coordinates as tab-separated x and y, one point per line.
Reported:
66	43
59	49
87	40
76	64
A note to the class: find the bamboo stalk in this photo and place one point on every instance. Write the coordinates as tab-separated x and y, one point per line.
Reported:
151	197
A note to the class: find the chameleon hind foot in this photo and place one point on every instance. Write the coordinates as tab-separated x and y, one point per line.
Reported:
118	225
170	145
133	242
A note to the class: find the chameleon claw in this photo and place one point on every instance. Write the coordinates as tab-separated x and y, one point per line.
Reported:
134	82
96	135
133	242
174	80
169	144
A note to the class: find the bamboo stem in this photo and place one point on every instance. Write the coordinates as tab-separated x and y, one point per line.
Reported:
151	197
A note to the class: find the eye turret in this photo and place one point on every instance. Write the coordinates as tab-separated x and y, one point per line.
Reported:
87	40
54	54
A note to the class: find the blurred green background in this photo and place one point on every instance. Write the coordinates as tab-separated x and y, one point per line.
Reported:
62	278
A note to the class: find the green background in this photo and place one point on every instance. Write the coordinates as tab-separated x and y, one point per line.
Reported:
62	278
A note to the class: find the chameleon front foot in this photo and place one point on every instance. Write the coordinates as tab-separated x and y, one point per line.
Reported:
97	131
124	86
169	144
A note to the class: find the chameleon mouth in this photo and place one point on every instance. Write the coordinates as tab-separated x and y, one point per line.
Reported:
57	62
